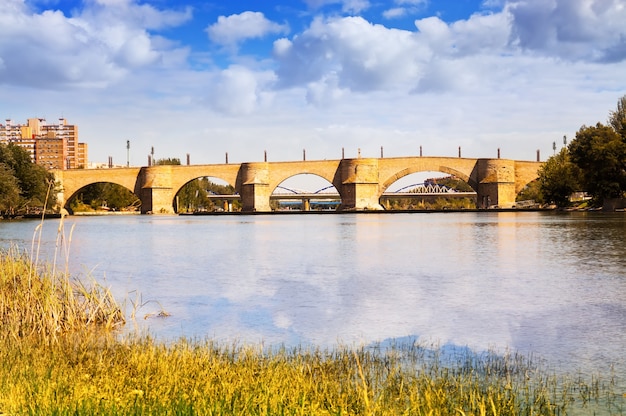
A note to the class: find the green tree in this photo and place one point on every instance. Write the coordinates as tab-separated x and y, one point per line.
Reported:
532	191
9	190
600	154
104	194
193	197
617	118
558	179
168	161
33	180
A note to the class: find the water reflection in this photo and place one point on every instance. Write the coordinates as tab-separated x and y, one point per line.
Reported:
549	284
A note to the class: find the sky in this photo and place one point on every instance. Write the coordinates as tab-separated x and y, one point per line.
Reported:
206	78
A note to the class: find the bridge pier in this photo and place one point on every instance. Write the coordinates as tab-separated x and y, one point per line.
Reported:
157	194
495	179
255	187
360	190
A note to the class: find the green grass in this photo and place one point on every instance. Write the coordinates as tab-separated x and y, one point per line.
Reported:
61	353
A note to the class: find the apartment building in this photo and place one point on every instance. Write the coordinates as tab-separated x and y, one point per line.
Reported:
54	146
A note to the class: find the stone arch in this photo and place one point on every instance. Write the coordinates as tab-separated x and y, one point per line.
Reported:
77	191
280	172
310	198
73	181
410	170
305	173
221	201
182	175
525	173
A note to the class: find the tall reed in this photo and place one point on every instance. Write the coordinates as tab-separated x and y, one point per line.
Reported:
39	301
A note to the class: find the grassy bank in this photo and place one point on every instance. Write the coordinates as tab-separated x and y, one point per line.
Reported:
60	354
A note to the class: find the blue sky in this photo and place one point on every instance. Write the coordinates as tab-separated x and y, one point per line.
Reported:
209	77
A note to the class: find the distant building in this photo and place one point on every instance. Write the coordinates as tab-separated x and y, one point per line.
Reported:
54	146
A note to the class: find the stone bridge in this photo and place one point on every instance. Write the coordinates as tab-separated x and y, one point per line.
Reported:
360	182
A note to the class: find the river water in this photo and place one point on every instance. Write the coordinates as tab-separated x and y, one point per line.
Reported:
548	284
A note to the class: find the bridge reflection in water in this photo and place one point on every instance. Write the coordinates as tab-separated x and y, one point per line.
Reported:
360	183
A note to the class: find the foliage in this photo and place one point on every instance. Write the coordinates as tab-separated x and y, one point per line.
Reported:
558	179
531	192
31	181
594	162
427	202
39	303
9	190
168	161
617	118
195	195
452	182
600	153
104	195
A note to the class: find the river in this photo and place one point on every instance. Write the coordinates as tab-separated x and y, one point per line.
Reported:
550	284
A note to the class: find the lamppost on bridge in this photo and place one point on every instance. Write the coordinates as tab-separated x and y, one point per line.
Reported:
127	153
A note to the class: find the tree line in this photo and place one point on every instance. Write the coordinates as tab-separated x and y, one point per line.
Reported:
594	162
25	187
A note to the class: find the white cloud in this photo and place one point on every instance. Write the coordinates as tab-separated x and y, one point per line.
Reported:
231	30
348	6
133	14
570	29
362	55
394	13
239	91
406	7
95	47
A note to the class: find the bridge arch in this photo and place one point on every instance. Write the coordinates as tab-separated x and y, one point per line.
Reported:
110	197
72	181
182	175
407	172
306	191
398	168
282	171
205	193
